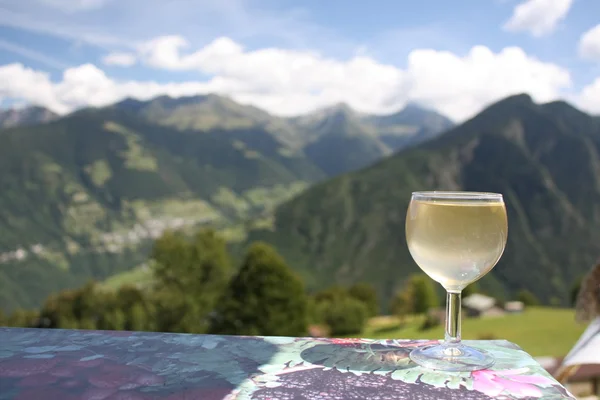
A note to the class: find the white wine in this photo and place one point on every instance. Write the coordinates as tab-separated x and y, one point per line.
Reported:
456	242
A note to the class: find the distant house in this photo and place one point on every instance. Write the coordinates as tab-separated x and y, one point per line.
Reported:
437	314
514	307
479	305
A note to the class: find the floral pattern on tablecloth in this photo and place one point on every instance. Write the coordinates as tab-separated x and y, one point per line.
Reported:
105	365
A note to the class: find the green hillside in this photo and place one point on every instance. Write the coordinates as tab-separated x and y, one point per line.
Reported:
83	196
545	159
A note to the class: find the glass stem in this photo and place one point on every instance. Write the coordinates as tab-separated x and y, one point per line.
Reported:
452	336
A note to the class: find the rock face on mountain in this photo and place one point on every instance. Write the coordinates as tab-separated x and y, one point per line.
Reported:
339	140
342	142
408	127
544	158
25	116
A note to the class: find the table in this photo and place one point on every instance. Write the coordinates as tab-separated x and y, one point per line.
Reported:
104	365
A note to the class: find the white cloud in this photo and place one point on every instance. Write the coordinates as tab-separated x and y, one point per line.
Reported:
120	59
589	99
589	44
460	86
85	85
289	82
20	83
539	17
163	52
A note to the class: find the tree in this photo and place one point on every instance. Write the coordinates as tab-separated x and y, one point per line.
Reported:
190	277
332	293
554	301
416	297
574	293
91	307
137	319
312	311
264	298
344	316
344	311
68	308
366	293
527	298
138	311
23	318
423	292
431	321
117	320
402	303
470	289
88	303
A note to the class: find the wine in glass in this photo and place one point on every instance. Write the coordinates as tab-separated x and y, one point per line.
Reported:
455	238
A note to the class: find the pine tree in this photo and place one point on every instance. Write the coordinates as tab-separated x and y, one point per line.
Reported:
527	298
423	293
264	298
402	303
470	289
344	316
366	293
574	292
190	277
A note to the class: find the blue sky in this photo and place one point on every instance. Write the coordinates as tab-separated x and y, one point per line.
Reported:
291	56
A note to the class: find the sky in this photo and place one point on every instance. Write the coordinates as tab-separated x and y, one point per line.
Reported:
291	57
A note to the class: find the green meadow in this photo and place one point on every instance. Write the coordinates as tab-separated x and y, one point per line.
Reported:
541	331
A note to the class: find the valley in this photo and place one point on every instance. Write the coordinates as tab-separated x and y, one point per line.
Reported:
85	195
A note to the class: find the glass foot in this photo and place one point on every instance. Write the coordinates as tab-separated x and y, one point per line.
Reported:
455	357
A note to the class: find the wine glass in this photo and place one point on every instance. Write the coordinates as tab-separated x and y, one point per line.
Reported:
455	238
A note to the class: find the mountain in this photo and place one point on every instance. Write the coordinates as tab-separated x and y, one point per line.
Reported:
335	139
341	142
210	112
545	159
410	126
83	196
25	116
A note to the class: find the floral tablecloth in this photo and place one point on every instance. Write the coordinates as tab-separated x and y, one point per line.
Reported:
97	365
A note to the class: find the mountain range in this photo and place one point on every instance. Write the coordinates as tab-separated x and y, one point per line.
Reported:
25	116
544	159
83	195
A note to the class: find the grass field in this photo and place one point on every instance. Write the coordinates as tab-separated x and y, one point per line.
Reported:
541	331
141	275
